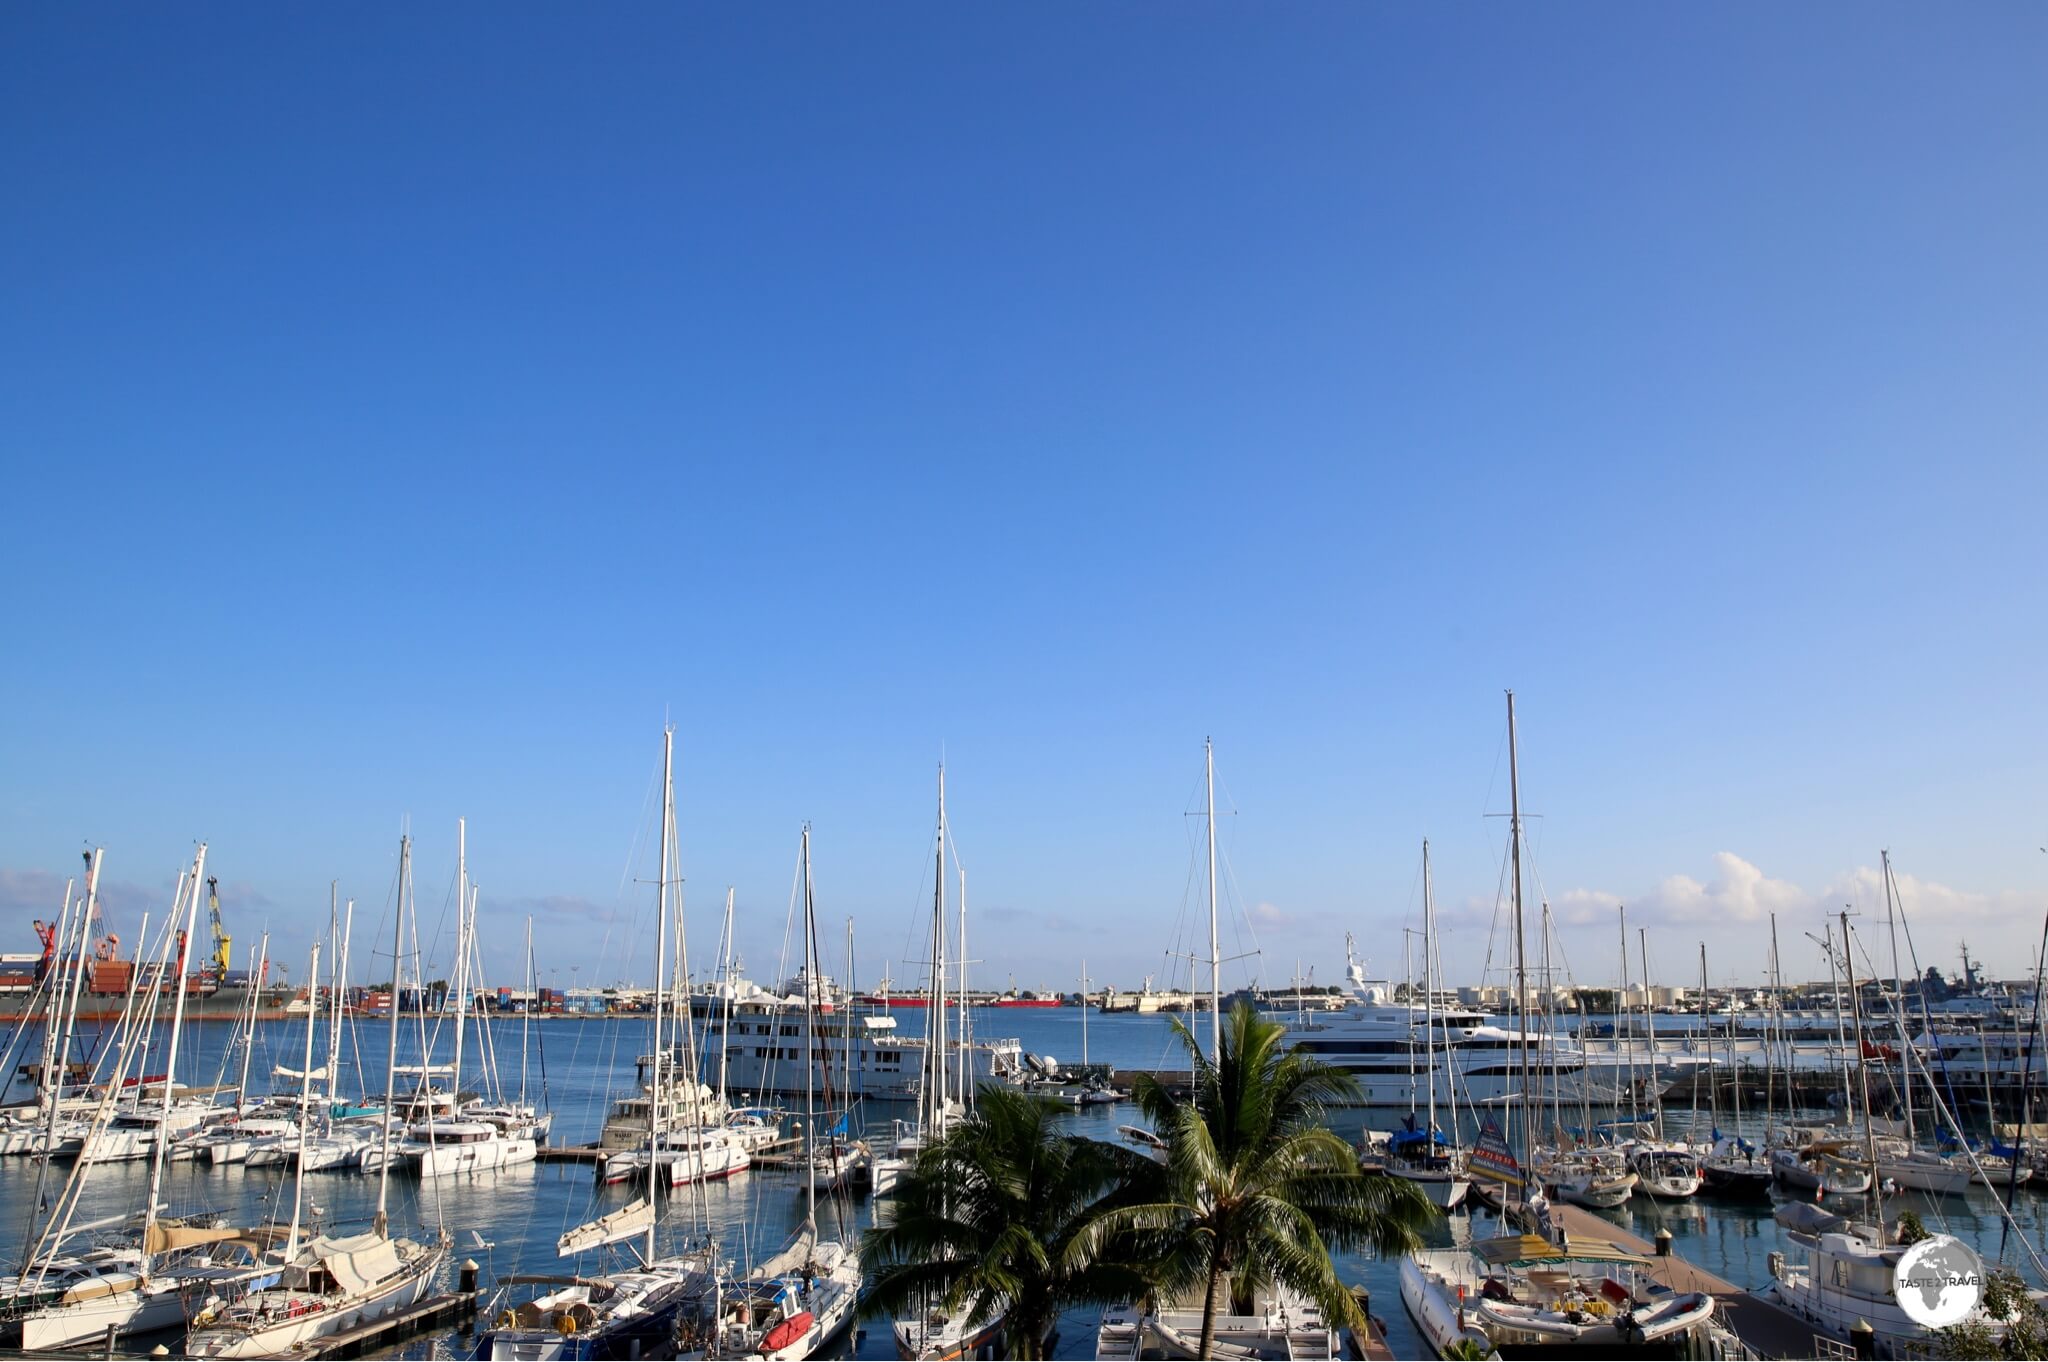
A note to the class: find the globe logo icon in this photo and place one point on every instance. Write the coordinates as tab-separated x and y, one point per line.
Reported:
1939	1281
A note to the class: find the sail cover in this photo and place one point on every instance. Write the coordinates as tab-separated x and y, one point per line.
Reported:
623	1223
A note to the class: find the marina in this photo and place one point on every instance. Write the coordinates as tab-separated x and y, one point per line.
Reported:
508	1221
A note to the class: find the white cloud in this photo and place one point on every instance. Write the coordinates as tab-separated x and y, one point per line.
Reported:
1271	915
1739	892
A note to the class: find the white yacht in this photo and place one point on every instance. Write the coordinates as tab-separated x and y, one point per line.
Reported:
1835	1279
1386	1048
860	1054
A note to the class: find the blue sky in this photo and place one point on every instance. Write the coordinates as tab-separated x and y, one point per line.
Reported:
404	412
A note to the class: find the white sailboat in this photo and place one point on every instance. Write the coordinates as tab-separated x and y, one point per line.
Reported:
795	1303
1282	1323
935	1105
629	1313
333	1282
174	1260
1424	1160
463	1141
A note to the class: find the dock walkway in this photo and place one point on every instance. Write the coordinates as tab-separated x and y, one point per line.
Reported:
384	1331
1771	1330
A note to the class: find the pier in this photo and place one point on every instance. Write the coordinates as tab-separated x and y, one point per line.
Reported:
452	1308
1767	1330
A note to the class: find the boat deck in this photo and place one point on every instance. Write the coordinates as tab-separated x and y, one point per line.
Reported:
1770	1330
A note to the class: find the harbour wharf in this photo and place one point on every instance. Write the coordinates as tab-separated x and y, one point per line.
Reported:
571	1153
1767	1330
378	1334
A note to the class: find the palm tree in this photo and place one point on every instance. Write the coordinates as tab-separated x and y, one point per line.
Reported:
1254	1187
988	1222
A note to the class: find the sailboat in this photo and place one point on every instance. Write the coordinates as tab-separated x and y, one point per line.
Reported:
149	1291
332	1283
631	1313
463	1140
1730	1167
937	1332
1282	1323
1423	1157
793	1304
935	1106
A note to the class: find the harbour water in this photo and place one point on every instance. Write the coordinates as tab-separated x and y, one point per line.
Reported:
509	1221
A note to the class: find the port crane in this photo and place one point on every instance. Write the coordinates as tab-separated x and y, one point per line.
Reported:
221	939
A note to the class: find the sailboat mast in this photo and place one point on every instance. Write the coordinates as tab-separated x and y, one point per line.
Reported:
526	1012
1707	1048
1650	1034
1521	948
339	983
262	954
1084	1011
163	1132
1428	998
1550	1030
1215	954
659	1091
383	1221
810	1054
935	1100
461	956
1899	998
1772	1023
291	1247
1863	1078
49	1092
1622	1013
1841	1036
725	1021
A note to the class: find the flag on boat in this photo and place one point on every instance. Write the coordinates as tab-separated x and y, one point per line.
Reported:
1491	1159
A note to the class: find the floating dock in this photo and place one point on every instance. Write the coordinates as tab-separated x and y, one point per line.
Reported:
379	1334
572	1153
1769	1330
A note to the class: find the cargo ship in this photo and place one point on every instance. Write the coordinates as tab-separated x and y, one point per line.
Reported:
212	993
208	997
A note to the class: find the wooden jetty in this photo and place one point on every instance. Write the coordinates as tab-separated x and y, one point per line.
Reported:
1768	1330
572	1153
781	1154
1371	1346
385	1331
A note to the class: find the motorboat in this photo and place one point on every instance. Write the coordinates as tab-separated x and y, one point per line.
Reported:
1839	1278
